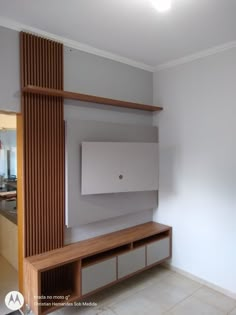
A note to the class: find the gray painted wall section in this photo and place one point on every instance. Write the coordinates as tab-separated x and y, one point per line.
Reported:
90	74
107	226
91	208
136	118
83	72
9	70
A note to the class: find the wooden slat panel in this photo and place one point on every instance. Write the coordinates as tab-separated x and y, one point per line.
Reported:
42	137
43	151
41	188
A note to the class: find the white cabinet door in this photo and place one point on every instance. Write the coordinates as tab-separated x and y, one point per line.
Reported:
130	262
98	275
109	167
158	251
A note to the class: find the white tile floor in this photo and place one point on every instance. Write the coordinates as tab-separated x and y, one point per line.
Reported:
156	291
8	282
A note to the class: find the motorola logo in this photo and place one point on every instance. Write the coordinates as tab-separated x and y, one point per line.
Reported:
14	300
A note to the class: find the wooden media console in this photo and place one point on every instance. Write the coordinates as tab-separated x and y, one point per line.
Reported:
78	270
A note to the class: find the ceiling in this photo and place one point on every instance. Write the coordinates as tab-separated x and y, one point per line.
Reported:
132	28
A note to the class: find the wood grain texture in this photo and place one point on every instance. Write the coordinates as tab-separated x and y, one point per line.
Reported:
35	89
41	207
20	201
71	258
95	245
43	130
34	289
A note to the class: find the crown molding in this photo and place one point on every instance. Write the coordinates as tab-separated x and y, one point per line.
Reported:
8	23
196	56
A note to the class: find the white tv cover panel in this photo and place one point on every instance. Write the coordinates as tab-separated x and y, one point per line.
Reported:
113	167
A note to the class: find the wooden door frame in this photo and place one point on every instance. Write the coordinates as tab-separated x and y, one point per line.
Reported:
20	200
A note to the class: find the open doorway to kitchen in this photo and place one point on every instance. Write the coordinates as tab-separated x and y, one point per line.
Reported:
8	208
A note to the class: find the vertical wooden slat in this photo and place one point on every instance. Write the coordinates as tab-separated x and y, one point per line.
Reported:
20	171
43	140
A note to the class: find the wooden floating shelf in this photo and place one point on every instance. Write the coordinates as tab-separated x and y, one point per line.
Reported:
89	98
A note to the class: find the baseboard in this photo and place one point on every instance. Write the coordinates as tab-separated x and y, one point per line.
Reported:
200	280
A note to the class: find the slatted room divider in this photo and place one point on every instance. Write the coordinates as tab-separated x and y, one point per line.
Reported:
43	152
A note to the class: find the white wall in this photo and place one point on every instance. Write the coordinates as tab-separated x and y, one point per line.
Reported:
198	165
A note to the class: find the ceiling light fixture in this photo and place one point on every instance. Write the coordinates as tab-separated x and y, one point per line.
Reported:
161	5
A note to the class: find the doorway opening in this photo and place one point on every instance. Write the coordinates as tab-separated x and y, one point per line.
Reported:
8	207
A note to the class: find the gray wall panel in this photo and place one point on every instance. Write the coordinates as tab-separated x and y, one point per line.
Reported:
90	74
91	208
9	70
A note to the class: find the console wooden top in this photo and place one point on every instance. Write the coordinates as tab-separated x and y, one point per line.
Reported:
94	246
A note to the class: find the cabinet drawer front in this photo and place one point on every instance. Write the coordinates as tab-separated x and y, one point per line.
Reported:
158	250
98	275
131	262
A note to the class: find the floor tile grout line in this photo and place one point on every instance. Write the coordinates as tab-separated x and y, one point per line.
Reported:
111	304
197	279
181	301
211	304
191	295
133	293
202	285
231	311
123	299
219	309
234	308
161	280
113	311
